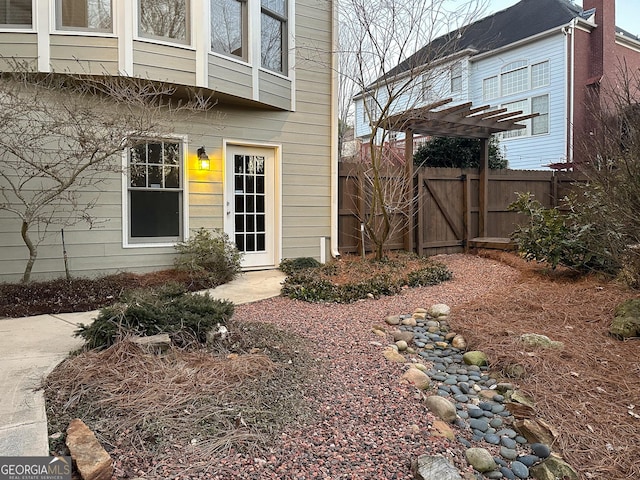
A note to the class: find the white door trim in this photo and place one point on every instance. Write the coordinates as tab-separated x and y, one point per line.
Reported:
277	193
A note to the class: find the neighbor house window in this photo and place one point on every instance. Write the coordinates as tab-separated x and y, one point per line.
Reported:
514	79
540	124
456	77
15	13
155	192
490	88
84	14
273	41
426	92
369	109
540	75
229	27
165	19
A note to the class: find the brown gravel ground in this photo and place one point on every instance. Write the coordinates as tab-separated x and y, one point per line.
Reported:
370	426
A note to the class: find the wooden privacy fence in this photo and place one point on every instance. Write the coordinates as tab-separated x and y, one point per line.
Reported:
447	206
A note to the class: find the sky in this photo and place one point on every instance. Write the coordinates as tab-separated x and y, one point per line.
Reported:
627	12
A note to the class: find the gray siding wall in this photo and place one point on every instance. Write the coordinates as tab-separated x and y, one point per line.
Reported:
93	55
19	46
305	139
164	63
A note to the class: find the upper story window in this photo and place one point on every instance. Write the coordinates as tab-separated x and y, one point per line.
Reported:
15	13
155	192
540	75
84	15
490	88
516	77
514	81
229	27
456	77
273	38
522	106
165	20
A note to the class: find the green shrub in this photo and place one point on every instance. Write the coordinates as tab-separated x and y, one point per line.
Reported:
185	317
570	240
210	254
311	285
292	265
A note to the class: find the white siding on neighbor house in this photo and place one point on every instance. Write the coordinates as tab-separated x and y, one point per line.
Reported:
439	81
531	151
305	191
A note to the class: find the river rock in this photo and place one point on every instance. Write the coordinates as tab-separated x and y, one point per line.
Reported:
393	320
626	321
435	467
439	310
416	377
459	342
480	459
393	355
475	357
402	345
92	460
542	341
442	429
536	430
402	335
441	408
553	468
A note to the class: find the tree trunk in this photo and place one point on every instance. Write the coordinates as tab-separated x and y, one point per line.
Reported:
33	252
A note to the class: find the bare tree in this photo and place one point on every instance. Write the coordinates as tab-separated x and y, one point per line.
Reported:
60	136
401	56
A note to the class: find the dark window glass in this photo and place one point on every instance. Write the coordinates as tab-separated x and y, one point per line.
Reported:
228	27
261	242
85	14
273	35
15	13
239	223
155	213
250	243
240	242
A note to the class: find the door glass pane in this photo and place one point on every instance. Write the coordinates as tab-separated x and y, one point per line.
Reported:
259	203
251	223
240	242
260	246
239	183
239	204
260	224
250	204
251	243
250	183
239	223
259	184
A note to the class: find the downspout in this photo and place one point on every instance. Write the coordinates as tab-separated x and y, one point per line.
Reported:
334	130
572	74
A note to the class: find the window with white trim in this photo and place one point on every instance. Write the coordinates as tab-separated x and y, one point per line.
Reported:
164	20
84	15
540	75
514	81
490	88
16	13
229	27
426	91
155	192
273	35
369	109
540	124
456	77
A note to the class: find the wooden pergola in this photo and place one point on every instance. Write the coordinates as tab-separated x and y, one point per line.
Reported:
464	121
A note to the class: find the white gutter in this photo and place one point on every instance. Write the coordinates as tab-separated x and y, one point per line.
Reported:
334	131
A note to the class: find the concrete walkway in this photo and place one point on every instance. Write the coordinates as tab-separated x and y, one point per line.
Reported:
31	347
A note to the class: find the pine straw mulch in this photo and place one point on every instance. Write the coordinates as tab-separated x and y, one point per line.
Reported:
198	402
586	390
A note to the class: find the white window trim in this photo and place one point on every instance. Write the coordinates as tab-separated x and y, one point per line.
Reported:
230	56
528	66
529	130
185	195
159	41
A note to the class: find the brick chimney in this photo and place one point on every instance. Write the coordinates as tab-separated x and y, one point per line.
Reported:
602	59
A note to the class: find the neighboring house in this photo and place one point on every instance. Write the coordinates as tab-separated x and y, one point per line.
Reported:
278	127
538	56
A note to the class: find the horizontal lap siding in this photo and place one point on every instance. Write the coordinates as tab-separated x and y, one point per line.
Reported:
22	47
164	63
230	77
94	55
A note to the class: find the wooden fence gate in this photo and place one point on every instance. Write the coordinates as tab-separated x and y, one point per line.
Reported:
447	206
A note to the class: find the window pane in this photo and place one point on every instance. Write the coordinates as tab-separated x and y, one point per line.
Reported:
271	43
522	105
260	184
138	154
260	203
154	213
250	204
228	27
250	184
540	124
239	204
260	247
239	185
171	153
171	177
138	176
239	223
15	13
278	6
240	242
90	14
154	153
514	82
155	176
251	223
251	243
260	224
490	88
540	75
165	19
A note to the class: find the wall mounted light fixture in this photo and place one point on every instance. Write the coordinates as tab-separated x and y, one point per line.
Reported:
203	159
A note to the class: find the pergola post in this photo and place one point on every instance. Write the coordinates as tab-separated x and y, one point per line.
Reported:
483	190
408	171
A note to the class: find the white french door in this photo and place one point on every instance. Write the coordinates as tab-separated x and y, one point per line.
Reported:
250	203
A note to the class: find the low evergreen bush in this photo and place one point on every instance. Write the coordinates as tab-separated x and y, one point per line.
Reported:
209	254
292	265
184	316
